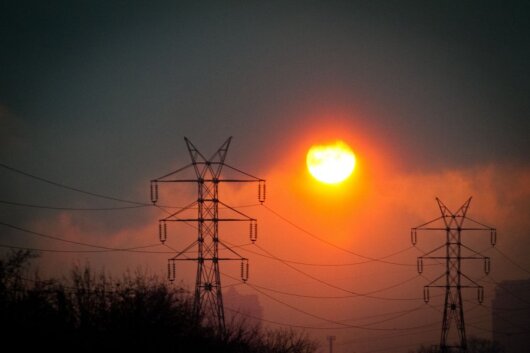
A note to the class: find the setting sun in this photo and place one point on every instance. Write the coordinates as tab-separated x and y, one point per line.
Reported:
331	163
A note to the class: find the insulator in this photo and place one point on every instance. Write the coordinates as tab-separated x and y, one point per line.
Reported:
171	270
420	265
244	270
487	265
426	295
480	294
154	191
253	231
262	191
413	236
162	231
493	240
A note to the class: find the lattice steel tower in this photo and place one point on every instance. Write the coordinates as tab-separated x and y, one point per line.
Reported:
453	280
208	299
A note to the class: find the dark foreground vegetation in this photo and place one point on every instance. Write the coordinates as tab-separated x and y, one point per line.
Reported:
91	312
474	345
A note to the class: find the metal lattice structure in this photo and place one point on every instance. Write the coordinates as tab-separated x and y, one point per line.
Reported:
453	280
208	299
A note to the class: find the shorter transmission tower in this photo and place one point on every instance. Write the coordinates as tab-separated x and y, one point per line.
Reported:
453	280
208	298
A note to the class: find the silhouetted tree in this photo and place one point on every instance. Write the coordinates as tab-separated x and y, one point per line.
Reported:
474	345
286	341
12	285
91	312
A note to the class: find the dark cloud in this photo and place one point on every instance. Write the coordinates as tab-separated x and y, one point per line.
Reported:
445	78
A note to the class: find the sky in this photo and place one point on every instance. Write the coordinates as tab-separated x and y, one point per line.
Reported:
431	96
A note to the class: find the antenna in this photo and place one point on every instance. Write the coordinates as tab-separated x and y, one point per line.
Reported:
330	340
453	280
208	299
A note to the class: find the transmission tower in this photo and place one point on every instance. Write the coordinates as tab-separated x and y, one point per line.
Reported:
208	299
453	280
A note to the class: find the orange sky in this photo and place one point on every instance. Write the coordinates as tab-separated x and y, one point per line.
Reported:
370	214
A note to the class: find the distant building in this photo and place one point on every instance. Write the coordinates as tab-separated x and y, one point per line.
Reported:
511	315
242	306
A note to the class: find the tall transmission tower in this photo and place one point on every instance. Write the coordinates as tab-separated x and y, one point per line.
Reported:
208	298
453	280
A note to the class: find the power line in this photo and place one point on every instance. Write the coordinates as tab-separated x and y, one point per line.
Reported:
239	312
135	249
512	261
87	290
82	191
388	336
344	326
515	325
297	309
308	296
365	326
335	297
71	188
320	264
145	204
490	278
303	230
304	295
12	203
68	208
398	315
399	312
366	295
53	237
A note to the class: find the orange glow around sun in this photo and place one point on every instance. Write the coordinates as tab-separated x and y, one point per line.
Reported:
330	164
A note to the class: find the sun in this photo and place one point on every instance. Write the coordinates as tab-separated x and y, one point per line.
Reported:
330	164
